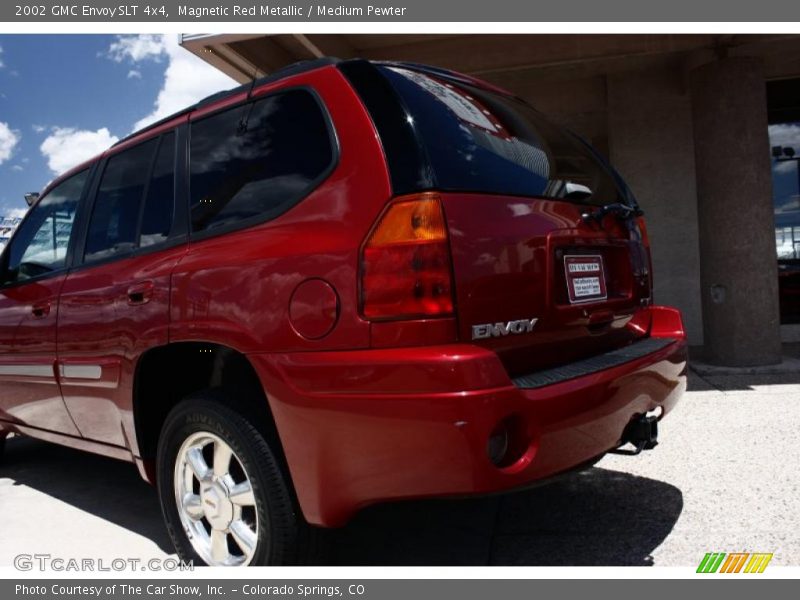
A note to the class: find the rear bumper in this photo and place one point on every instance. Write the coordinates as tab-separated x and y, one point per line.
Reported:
367	426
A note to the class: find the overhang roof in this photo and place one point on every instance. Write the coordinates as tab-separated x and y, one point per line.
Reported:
502	59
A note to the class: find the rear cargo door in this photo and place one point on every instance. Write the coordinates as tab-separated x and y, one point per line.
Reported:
549	257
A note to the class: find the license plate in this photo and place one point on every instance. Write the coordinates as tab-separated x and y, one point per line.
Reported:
586	279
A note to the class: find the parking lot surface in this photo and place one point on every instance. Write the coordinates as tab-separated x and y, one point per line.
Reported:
723	479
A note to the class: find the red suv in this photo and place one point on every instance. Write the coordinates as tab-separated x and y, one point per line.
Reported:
347	283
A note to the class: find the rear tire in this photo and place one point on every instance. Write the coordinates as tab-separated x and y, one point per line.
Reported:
224	496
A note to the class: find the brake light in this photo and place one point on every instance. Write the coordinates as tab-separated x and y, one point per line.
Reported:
405	262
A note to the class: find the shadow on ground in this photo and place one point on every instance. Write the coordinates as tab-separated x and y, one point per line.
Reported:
744	382
597	517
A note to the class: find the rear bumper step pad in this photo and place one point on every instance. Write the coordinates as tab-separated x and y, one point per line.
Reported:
592	365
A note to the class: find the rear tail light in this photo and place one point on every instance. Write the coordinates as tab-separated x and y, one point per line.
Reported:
405	262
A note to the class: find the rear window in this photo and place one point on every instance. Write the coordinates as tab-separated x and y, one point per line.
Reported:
479	141
135	200
115	214
159	205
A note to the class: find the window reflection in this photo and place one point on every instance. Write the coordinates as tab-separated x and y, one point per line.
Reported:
115	215
257	160
478	140
40	246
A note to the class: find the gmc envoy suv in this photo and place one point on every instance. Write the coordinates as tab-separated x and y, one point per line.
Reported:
346	283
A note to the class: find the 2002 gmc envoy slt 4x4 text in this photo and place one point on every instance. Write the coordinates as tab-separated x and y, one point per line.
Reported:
349	282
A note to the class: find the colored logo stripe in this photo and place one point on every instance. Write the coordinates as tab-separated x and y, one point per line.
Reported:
711	562
758	563
734	562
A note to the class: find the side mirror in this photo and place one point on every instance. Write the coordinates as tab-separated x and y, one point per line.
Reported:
31	198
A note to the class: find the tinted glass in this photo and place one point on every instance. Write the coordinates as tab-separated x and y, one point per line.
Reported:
41	243
481	141
159	206
115	215
257	160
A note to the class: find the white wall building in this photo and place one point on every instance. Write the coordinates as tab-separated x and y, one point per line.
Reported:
7	227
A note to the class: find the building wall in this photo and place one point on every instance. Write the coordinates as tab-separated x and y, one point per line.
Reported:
7	227
579	103
651	144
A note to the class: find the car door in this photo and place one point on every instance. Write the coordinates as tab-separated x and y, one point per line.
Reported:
115	302
32	272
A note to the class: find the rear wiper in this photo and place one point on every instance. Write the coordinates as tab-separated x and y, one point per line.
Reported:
623	211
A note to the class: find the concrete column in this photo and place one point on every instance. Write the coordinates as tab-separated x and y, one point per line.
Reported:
651	142
738	265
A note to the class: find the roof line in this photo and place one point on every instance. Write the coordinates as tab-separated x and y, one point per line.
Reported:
287	71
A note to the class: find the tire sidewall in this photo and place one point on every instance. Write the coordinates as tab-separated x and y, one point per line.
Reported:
199	415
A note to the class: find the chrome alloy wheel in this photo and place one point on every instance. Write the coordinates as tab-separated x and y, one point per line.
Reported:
215	501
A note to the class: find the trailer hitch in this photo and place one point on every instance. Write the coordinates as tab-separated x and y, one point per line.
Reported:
642	433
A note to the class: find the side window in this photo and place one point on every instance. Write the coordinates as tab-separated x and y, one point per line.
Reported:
40	245
115	216
257	160
159	206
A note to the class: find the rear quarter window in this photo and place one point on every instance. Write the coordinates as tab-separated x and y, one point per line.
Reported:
255	161
481	141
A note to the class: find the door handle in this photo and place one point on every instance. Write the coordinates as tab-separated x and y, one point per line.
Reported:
40	310
140	293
